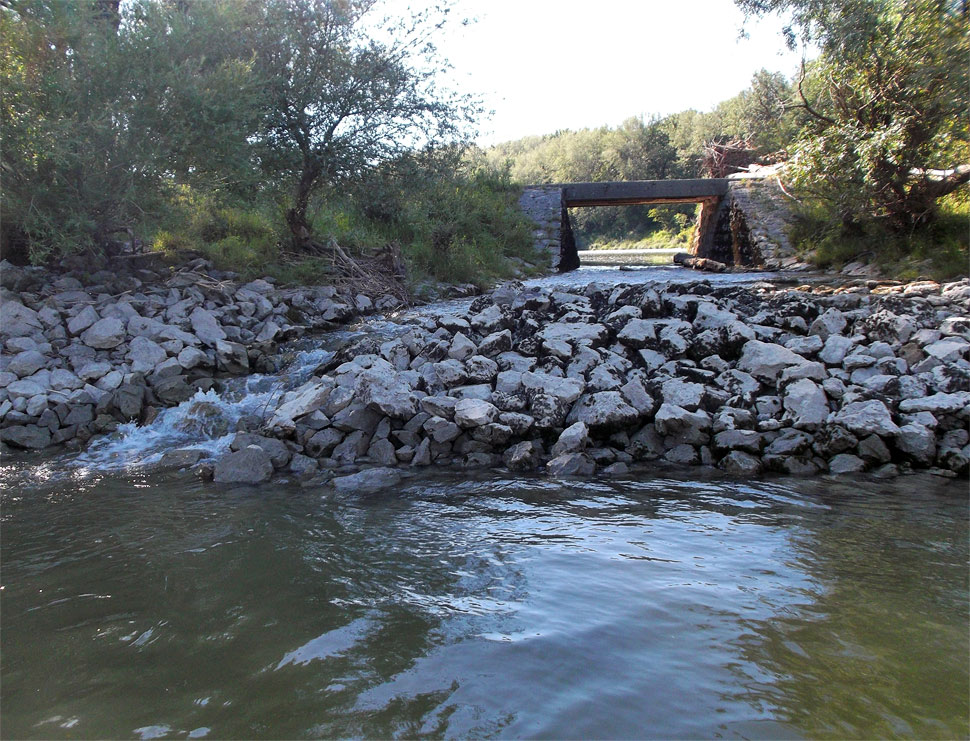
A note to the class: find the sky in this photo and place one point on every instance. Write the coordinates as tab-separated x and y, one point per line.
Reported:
545	65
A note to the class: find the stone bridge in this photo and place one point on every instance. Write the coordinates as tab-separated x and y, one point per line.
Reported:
742	220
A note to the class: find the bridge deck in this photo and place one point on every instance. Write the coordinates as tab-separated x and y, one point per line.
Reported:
643	191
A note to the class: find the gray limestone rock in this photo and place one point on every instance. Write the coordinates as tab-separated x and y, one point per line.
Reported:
251	465
805	404
739	463
105	334
767	360
30	437
846	463
865	417
26	363
574	439
369	481
571	464
604	411
683	426
474	413
206	327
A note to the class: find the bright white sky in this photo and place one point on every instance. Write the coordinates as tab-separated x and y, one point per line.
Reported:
544	65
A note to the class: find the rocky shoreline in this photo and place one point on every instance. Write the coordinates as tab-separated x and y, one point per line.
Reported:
863	377
80	358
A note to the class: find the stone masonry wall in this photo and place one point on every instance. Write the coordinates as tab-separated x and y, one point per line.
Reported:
543	204
759	216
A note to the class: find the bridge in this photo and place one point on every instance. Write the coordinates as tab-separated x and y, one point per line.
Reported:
723	230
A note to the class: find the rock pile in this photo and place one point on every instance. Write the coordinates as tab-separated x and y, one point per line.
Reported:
749	380
78	359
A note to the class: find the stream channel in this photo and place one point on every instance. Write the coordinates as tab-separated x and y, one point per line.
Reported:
659	604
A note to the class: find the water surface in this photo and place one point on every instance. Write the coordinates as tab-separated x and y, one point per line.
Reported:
484	605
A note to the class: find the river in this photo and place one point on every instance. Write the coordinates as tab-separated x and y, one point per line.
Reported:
661	604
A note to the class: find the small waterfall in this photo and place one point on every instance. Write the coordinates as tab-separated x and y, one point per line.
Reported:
205	422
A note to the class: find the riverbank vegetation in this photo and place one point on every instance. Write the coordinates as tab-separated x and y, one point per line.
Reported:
268	135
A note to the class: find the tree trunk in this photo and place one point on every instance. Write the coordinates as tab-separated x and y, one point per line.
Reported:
296	217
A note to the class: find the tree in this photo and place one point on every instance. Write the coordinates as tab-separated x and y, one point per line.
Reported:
885	101
346	91
104	110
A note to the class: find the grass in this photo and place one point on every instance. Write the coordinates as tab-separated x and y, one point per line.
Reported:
940	251
455	227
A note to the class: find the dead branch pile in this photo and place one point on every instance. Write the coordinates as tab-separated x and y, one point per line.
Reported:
723	159
376	274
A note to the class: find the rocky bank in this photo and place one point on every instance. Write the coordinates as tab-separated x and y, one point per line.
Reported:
863	377
79	358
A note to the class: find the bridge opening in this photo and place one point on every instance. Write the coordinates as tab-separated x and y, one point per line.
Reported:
639	234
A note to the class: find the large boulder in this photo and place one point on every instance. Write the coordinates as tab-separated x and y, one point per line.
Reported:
865	417
206	327
26	363
766	360
17	320
471	413
105	334
604	411
369	481
387	392
806	404
251	465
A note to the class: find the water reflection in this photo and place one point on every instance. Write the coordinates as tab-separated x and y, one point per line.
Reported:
489	605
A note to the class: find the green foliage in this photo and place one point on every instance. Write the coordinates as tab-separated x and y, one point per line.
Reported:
887	96
102	116
940	250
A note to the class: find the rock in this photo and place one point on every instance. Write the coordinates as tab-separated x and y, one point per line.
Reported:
323	442
636	394
441	430
277	451
30	437
684	426
524	456
574	439
144	355
474	413
64	380
873	450
767	360
835	349
180	458
231	357
683	455
104	334
570	464
17	320
566	390
386	392
441	406
481	369
865	417
604	411
450	372
26	363
682	394
574	333
748	441
738	463
846	463
82	320
461	348
830	322
173	390
917	443
24	389
206	327
938	404
495	344
805	404
369	481
303	466
191	357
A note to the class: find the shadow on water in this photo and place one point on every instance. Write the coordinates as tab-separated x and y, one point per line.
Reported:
484	605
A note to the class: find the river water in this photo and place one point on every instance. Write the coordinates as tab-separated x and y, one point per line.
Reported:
470	604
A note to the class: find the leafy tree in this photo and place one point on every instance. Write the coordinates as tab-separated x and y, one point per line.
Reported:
105	107
346	91
886	101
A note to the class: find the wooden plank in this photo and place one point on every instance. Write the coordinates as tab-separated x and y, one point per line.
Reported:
643	191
